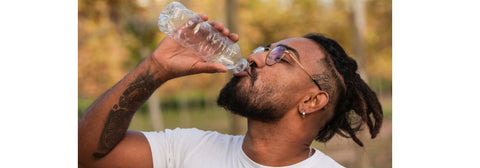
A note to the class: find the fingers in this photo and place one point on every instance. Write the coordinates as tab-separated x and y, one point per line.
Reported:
203	16
204	67
222	29
225	31
234	37
217	67
217	25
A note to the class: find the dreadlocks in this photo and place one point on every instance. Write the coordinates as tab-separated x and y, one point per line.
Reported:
356	98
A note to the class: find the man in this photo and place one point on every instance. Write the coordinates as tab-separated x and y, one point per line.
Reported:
294	91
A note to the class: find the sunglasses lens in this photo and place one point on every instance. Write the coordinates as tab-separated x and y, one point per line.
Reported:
275	55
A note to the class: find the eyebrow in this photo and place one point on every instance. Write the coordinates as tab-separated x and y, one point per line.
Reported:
291	49
288	48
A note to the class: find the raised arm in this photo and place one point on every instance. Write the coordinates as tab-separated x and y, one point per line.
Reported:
103	139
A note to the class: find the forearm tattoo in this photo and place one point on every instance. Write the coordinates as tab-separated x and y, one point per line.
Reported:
121	113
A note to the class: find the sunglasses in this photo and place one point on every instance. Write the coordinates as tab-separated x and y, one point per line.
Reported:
276	55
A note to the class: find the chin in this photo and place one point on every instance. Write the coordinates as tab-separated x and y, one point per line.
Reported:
256	103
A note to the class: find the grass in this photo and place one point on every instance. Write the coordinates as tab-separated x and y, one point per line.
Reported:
217	120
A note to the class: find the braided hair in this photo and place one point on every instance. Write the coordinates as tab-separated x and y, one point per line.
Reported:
356	98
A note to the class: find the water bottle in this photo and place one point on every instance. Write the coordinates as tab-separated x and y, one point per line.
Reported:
188	29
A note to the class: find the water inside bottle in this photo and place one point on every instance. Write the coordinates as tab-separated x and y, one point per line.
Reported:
187	28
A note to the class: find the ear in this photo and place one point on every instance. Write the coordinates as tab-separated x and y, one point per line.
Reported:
314	102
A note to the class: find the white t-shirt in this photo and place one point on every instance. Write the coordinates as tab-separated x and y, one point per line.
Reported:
185	148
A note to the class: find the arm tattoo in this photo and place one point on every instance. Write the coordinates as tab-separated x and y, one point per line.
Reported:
121	114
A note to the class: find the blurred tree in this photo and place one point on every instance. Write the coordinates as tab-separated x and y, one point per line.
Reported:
184	110
379	44
101	54
232	24
359	29
155	112
115	35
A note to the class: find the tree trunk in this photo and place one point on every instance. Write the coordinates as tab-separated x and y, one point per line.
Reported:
359	30
155	111
185	119
232	25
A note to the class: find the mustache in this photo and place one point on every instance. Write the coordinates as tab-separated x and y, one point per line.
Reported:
253	73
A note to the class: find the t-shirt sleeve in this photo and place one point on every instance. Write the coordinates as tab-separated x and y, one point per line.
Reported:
170	146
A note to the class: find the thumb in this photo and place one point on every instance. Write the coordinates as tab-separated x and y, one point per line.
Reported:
206	67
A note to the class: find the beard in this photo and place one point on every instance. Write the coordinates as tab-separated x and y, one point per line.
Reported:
257	103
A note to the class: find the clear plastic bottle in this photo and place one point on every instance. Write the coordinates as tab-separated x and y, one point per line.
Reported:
188	29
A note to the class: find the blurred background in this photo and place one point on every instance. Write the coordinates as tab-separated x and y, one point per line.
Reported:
115	35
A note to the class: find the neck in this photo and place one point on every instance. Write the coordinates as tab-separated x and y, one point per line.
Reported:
275	144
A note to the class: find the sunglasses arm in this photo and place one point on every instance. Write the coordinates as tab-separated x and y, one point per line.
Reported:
303	68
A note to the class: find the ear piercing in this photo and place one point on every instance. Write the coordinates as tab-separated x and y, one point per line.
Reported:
303	113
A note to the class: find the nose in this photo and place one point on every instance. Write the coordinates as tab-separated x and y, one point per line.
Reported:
258	59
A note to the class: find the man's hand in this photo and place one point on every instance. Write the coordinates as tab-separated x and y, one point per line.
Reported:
176	60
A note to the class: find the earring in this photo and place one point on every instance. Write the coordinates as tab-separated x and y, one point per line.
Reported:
303	114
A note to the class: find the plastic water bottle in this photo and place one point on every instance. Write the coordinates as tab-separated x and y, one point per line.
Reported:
188	29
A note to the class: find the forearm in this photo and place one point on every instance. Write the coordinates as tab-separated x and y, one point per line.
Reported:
106	121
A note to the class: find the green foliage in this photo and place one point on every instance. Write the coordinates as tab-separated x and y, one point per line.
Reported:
114	36
201	118
83	104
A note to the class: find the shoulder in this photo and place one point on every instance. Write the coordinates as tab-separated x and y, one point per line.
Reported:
178	132
188	147
183	135
186	131
325	160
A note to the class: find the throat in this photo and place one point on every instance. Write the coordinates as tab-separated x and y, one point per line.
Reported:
274	146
